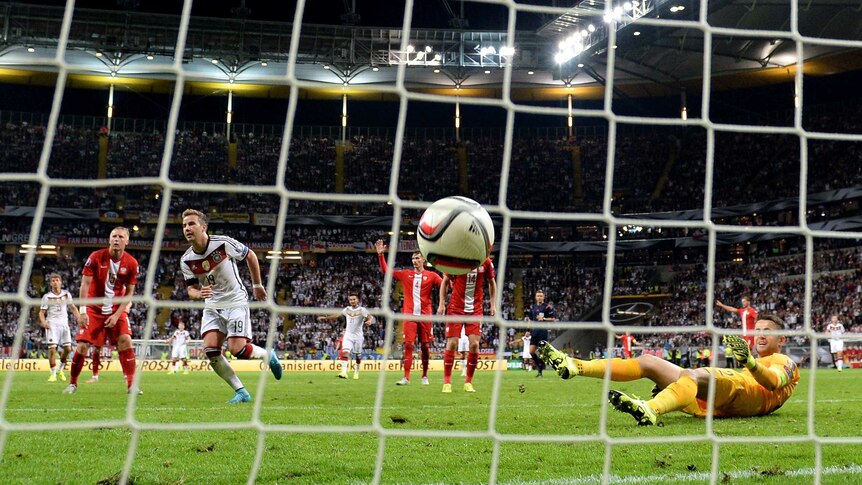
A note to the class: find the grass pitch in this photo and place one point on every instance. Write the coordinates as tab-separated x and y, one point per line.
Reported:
550	433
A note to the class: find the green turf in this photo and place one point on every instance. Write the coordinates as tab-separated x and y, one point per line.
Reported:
548	408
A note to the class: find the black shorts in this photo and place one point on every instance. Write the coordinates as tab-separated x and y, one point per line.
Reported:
537	335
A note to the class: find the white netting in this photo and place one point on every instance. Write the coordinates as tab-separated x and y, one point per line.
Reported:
153	304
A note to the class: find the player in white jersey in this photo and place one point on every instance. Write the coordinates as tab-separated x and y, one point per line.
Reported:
179	348
353	339
836	330
54	317
211	274
526	356
463	348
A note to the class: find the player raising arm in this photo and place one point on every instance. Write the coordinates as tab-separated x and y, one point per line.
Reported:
108	274
353	339
210	270
467	300
747	315
54	317
762	387
417	284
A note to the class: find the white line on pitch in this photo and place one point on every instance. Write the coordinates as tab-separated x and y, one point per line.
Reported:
689	477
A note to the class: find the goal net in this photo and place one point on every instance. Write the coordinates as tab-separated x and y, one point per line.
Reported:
634	215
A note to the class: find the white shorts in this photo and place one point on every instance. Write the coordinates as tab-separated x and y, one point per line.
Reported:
58	335
180	352
233	322
463	344
836	345
352	344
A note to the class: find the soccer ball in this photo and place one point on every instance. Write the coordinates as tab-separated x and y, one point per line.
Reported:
455	235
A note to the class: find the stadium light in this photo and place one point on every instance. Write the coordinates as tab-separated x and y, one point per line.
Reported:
487	71
530	73
410	48
214	61
637	33
150	57
375	68
507	51
429	49
264	63
31	49
98	53
436	71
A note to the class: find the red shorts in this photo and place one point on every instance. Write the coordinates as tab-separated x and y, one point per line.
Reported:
96	333
426	333
453	330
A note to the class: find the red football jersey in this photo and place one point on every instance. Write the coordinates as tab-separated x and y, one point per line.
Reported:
467	290
627	343
417	288
110	278
749	318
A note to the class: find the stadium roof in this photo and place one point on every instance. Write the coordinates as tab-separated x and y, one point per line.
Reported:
657	47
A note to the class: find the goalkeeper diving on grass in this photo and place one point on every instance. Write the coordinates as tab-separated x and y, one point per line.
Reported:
763	385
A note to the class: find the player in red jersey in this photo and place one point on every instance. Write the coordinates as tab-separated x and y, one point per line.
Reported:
109	273
628	340
747	314
416	285
467	299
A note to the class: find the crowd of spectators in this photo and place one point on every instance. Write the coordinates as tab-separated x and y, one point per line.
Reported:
542	175
774	285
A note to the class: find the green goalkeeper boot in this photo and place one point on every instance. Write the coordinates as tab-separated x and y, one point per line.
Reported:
638	408
562	363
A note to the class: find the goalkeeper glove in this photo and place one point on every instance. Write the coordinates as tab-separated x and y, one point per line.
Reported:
740	350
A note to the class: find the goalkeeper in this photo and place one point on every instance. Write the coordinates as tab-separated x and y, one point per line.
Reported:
763	385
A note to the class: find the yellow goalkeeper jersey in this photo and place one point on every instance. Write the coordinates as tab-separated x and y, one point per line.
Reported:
738	394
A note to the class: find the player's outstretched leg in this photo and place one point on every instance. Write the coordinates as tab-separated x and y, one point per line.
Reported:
274	365
241	396
638	408
564	365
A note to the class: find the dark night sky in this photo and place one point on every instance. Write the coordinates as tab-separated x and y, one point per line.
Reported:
373	13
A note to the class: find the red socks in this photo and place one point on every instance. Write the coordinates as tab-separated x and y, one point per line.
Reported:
77	365
97	361
472	360
407	359
448	363
426	355
127	361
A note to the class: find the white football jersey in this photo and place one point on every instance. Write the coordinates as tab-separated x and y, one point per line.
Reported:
180	338
835	329
217	267
57	307
355	319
